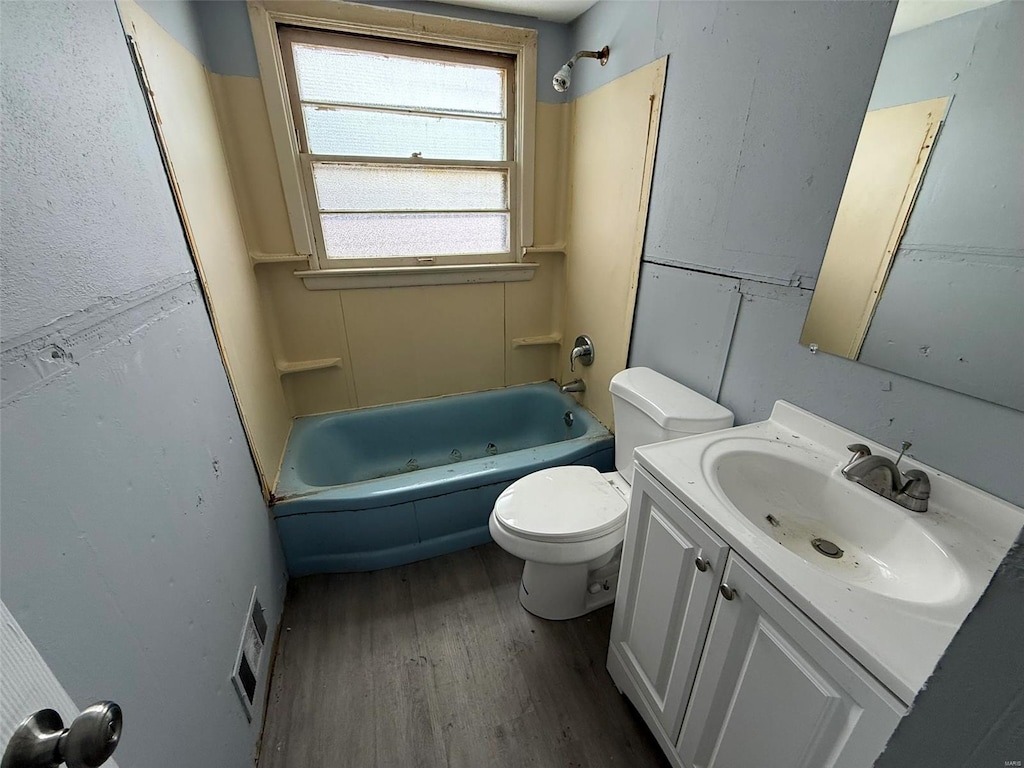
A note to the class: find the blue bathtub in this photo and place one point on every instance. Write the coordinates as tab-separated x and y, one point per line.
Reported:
377	487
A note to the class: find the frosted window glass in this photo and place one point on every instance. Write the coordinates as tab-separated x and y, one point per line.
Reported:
337	76
362	235
365	133
391	188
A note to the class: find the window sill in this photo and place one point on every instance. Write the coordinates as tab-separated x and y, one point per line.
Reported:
393	277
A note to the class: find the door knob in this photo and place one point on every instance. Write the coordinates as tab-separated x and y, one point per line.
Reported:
42	741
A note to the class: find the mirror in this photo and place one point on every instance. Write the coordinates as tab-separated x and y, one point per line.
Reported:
924	271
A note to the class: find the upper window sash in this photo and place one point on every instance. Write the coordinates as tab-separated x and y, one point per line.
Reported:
477	121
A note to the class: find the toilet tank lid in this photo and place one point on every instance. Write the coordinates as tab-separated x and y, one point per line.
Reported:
669	403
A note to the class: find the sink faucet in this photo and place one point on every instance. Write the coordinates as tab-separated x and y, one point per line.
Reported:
576	385
883	476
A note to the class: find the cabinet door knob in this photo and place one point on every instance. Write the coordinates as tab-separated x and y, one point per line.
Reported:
727	592
702	564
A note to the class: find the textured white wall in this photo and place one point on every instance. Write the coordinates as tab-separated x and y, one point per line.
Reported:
133	528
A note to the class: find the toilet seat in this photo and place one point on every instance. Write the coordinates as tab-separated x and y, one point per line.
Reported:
561	505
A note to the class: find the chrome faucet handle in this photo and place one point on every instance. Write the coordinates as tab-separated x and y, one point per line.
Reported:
583	350
917	490
918	485
859	451
577	352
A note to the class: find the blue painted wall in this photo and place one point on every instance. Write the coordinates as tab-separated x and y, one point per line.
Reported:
219	33
133	528
762	110
629	29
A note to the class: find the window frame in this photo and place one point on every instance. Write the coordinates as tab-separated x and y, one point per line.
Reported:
385	27
347	41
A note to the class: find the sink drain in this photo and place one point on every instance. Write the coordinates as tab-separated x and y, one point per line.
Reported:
827	548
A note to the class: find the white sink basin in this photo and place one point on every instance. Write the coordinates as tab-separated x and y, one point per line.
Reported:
905	581
797	498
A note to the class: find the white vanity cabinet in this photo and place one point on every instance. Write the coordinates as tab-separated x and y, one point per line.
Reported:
671	567
724	669
774	691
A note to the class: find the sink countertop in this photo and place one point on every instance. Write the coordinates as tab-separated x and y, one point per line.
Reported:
898	641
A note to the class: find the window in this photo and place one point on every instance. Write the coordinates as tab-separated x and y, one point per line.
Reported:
407	151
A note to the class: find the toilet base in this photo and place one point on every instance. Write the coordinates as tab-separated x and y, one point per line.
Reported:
560	592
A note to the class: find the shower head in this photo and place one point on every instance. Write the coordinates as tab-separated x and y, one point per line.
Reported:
563	77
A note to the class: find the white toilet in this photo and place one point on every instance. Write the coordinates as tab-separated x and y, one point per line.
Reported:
567	523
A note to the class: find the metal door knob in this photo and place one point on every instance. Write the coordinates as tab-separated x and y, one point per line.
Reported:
727	592
42	741
702	564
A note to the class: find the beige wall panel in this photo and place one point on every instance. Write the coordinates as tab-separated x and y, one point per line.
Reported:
253	162
385	329
188	124
411	343
533	309
879	194
614	132
551	173
322	391
307	325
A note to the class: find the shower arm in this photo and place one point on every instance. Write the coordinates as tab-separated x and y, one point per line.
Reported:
601	56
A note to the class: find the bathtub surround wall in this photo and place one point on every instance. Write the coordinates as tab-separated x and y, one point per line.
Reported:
762	109
179	88
133	528
338	350
611	158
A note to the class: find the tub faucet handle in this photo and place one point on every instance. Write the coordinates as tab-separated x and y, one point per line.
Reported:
582	350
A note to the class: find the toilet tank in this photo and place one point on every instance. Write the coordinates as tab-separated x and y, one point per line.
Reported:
651	408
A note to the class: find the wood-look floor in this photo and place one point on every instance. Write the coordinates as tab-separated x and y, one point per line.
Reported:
437	664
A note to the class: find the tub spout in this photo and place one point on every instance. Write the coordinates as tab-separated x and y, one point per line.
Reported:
576	385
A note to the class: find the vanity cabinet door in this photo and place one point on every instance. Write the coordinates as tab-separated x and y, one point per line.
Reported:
671	567
774	691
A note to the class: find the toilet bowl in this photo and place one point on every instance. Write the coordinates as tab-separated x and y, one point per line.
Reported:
568	523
